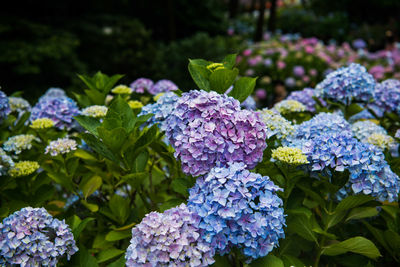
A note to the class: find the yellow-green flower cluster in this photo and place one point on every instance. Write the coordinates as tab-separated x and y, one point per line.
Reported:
289	106
24	168
95	111
289	155
42	123
135	104
122	89
383	141
18	143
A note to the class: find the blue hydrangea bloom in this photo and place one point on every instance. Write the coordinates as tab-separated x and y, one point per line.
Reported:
347	84
32	237
238	209
6	162
59	109
207	129
4	106
363	129
305	97
161	109
363	115
53	92
249	103
387	97
171	238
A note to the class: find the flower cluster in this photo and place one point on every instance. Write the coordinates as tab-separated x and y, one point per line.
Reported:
383	141
61	146
387	97
347	84
54	92
95	111
135	104
32	237
141	85
305	97
162	86
59	109
6	162
276	125
42	123
363	129
238	209
122	90
161	109
23	168
4	106
207	129
289	106
249	103
289	155
171	238
18	143
19	105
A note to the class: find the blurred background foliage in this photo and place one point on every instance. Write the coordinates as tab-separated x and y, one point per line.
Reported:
45	43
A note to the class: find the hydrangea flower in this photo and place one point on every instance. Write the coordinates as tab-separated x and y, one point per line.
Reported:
61	146
305	97
319	124
289	155
289	106
4	106
249	103
298	71
18	143
53	92
162	86
42	123
60	109
276	124
207	129
141	85
171	238
387	97
32	237
24	168
122	90
397	135
6	162
363	129
135	104
95	111
238	209
347	84
382	141
363	115
161	109
19	105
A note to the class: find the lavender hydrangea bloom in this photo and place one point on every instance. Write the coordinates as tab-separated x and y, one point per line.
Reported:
305	97
321	123
207	129
249	103
141	85
397	134
164	106
363	129
32	237
6	162
4	106
238	209
347	84
162	86
387	97
298	71
171	238
60	109
53	92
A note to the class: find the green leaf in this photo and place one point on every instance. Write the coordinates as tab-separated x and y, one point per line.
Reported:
391	210
289	260
98	146
113	139
108	254
331	220
86	259
119	108
222	79
268	261
118	235
120	208
170	204
362	212
200	73
358	245
379	235
353	109
301	225
352	202
118	263
83	154
243	88
91	186
393	239
229	61
90	206
140	162
301	210
78	230
181	186
135	179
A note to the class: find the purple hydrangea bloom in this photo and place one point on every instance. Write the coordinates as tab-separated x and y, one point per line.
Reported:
32	237
141	85
59	109
238	209
290	82
161	109
171	238
347	84
53	92
305	97
162	86
387	97
4	106
397	135
298	71
359	44
207	129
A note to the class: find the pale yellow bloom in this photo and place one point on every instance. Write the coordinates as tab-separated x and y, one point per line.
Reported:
42	123
135	104
382	141
24	168
122	89
289	155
